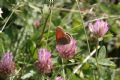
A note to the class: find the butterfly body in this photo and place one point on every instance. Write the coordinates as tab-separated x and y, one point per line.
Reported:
62	37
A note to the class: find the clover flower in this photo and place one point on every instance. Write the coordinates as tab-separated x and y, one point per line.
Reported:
44	62
7	66
99	28
67	50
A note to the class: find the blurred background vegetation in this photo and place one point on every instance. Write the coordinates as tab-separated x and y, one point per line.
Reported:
27	25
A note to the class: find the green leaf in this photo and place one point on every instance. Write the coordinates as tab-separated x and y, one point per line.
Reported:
106	62
28	75
102	53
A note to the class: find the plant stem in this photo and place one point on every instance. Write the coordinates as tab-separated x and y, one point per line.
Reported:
45	25
84	61
49	25
96	56
6	21
43	78
63	71
83	26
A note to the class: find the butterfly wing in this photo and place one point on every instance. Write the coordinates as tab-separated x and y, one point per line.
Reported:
61	36
59	33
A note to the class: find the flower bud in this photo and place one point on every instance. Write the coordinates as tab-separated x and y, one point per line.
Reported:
99	28
36	23
44	62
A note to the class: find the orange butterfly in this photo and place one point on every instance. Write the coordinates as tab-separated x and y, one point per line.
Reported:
62	37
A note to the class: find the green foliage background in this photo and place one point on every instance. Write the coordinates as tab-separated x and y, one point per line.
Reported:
21	37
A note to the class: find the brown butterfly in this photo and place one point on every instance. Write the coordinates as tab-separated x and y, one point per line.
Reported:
62	37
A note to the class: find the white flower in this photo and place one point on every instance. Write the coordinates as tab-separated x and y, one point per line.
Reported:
1	12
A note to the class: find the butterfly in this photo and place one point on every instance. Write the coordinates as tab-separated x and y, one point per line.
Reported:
62	37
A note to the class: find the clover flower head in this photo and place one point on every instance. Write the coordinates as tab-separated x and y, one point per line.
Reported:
99	28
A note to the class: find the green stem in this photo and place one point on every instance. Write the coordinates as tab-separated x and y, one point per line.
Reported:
94	75
97	44
63	71
96	56
7	21
45	26
83	26
43	78
49	25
